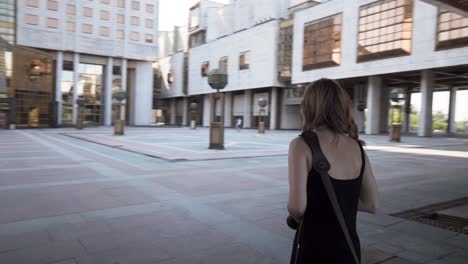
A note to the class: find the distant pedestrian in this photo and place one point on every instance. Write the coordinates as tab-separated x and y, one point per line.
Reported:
330	179
239	123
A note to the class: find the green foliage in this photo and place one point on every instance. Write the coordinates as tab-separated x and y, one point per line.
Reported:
439	121
461	126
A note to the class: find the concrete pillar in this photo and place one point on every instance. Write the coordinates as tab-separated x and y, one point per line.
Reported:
58	86
374	88
427	92
172	111
76	64
108	93
359	94
274	108
406	124
384	108
185	112
247	109
123	79
228	109
452	108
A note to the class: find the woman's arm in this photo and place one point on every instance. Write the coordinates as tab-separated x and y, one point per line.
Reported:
298	171
369	197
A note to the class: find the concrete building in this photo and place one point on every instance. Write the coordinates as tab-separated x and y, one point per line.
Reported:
90	49
274	49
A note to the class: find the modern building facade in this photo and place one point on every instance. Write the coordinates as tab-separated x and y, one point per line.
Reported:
273	49
83	50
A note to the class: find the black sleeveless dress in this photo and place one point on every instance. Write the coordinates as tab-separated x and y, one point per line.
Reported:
322	240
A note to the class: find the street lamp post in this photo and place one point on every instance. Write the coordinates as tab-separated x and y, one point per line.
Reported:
193	108
397	99
80	101
119	125
262	102
217	79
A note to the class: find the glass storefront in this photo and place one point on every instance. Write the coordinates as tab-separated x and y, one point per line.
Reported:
7	40
90	88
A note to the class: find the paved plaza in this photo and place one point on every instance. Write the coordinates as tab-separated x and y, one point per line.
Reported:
159	196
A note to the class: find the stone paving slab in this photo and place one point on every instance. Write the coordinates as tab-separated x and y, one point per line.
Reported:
76	201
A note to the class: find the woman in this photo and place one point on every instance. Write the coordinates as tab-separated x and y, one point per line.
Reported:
326	110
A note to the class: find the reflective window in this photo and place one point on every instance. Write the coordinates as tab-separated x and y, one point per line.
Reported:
205	69
149	38
120	18
322	43
223	63
134	36
7	27
119	34
71	9
52	22
32	3
452	30
105	1
194	17
121	3
32	19
52	5
71	26
104	15
135	5
285	51
149	23
87	28
149	8
67	93
104	31
87	11
244	60
135	20
90	88
385	29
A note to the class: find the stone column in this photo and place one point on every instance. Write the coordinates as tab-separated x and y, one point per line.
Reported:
58	86
274	108
123	85
374	86
172	111
427	90
108	93
406	124
185	112
452	108
228	109
384	108
359	90
76	76
247	109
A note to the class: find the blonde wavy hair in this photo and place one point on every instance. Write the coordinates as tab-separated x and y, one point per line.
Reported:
326	103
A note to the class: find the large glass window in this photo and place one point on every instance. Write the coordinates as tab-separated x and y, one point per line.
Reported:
205	69
194	17
7	27
223	63
90	87
244	60
67	93
322	43
452	30
285	50
385	29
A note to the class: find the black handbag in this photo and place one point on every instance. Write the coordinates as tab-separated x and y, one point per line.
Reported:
322	166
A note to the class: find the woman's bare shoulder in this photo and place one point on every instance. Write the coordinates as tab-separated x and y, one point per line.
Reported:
298	145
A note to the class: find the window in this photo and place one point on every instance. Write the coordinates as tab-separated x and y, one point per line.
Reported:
322	43
135	20
135	5
87	11
71	9
104	15
32	19
70	26
134	36
104	31
244	60
205	69
52	5
285	50
149	8
194	17
32	3
121	3
52	22
452	30
105	1
149	38
149	23
385	29
120	18
87	28
119	34
223	63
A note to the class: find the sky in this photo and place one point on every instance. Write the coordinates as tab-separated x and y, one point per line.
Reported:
175	12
